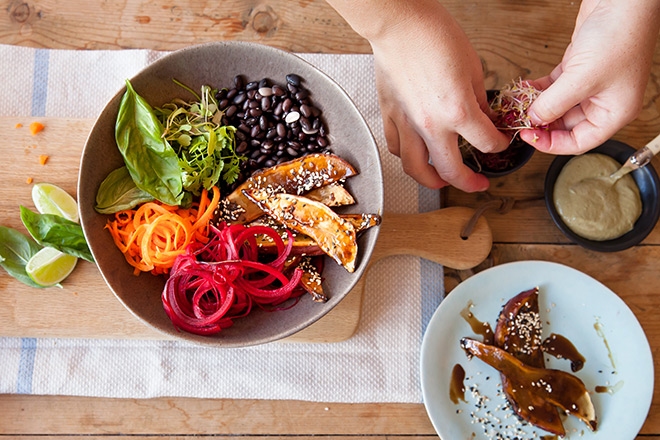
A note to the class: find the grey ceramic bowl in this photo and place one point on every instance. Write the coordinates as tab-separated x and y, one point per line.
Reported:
649	188
216	64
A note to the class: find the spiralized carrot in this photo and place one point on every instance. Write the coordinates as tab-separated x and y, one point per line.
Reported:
153	235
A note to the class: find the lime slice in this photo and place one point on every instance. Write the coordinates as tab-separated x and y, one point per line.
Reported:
51	199
50	266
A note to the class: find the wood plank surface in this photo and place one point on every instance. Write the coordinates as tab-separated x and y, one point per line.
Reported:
86	307
512	38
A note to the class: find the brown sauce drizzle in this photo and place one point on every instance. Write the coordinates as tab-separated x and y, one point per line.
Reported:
480	328
609	389
561	348
456	386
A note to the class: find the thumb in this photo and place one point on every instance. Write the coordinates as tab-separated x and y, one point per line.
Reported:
553	103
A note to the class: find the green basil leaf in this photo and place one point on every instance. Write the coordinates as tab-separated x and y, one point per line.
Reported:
57	232
118	192
151	161
16	249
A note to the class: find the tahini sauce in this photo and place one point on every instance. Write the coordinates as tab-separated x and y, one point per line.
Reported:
588	202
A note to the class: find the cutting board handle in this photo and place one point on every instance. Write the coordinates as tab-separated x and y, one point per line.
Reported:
436	236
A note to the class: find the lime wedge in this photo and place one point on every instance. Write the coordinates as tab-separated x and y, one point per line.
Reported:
50	266
51	199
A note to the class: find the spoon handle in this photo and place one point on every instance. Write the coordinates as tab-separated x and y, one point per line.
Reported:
644	155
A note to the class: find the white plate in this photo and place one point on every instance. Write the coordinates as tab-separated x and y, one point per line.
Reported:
571	302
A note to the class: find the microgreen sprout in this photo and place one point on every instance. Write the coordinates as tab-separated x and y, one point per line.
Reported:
204	146
509	110
511	105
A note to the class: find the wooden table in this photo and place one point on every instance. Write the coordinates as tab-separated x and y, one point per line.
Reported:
513	38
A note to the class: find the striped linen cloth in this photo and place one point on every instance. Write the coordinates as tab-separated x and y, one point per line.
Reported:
380	363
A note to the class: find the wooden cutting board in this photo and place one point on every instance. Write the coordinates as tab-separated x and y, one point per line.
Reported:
87	308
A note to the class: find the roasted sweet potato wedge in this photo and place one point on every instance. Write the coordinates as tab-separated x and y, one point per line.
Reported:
305	245
331	195
298	176
553	386
518	332
334	235
311	280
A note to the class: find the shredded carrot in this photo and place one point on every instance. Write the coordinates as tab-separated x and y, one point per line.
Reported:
19	125
153	235
36	127
29	180
43	158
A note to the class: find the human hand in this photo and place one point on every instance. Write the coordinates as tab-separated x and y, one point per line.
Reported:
430	88
599	85
431	94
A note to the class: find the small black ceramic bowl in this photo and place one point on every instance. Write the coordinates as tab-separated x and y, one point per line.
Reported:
517	155
649	186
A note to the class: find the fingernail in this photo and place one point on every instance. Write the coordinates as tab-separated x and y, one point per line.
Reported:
534	118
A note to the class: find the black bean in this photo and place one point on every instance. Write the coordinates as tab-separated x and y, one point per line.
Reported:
281	160
304	123
305	110
316	124
223	103
231	111
254	104
322	130
291	152
287	104
231	93
281	130
250	94
316	112
255	154
238	82
251	122
255	131
242	147
244	128
265	104
270	163
255	112
302	137
279	109
240	135
255	144
268	145
263	83
263	123
252	85
281	147
246	104
294	144
240	115
221	94
271	133
280	153
278	90
302	94
293	79
322	142
292	89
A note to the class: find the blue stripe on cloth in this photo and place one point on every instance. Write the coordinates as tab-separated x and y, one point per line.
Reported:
39	98
26	366
432	283
40	82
